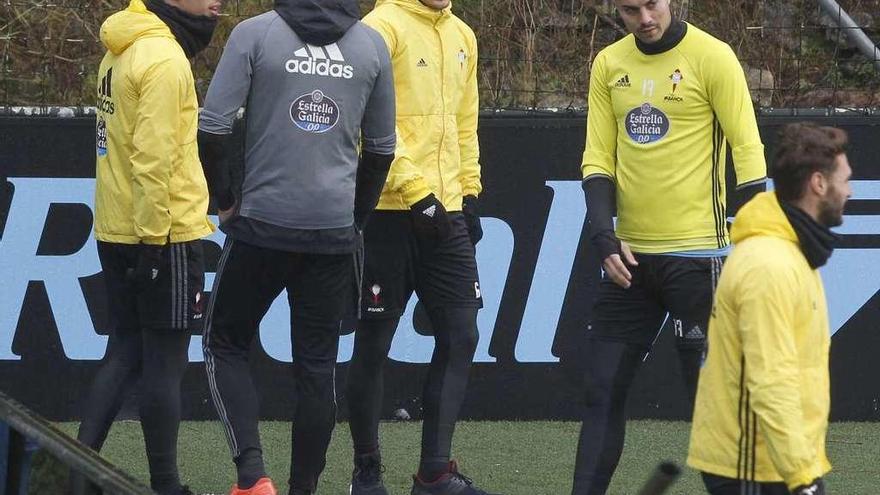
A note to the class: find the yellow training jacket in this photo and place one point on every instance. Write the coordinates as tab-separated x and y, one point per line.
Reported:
150	185
763	398
658	125
434	58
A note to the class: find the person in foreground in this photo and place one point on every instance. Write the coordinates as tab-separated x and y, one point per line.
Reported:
762	403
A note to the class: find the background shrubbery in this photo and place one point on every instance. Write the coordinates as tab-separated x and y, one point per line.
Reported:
534	53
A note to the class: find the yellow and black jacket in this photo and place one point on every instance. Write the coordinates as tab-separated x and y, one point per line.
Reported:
150	185
657	126
763	398
434	58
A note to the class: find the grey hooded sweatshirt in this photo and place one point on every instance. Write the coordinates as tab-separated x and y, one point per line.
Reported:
317	86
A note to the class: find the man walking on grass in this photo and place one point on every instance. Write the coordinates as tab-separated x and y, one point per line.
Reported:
762	405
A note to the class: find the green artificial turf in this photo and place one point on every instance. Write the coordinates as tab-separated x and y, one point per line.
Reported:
511	458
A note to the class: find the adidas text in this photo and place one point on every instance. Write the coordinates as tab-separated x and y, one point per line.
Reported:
324	61
319	68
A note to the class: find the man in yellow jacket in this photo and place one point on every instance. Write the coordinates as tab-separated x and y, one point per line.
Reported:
763	397
150	213
421	238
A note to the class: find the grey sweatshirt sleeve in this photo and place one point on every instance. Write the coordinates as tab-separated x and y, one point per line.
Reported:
230	85
378	123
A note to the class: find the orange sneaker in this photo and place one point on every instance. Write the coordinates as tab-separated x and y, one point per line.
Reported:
263	486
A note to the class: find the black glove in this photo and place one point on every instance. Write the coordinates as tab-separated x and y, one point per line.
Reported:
146	270
817	487
472	218
430	221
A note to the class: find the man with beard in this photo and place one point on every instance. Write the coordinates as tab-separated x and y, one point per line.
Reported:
762	404
664	102
421	239
151	205
318	88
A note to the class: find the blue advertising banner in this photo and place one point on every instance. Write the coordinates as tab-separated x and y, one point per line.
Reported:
538	277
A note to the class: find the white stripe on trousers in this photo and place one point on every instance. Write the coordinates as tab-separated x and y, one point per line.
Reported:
179	297
210	367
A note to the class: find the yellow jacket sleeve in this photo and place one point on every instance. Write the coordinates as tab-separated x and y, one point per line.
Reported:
155	144
730	99
600	155
767	306
404	177
467	117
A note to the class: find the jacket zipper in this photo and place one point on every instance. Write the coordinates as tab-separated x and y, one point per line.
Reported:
442	108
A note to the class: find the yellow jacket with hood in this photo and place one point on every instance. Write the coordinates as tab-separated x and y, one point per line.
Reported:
434	58
763	398
150	185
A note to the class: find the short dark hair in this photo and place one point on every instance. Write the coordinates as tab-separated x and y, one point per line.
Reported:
803	149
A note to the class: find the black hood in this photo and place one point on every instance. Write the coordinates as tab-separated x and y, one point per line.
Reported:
319	22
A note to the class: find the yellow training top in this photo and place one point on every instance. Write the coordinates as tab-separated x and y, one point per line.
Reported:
657	125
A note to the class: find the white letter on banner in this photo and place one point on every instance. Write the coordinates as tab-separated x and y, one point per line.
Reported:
552	272
852	276
60	274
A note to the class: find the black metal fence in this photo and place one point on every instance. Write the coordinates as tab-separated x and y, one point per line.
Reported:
534	54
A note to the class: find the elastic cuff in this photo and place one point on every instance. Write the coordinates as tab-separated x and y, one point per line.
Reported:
754	182
589	171
414	191
804	478
470	191
597	175
154	241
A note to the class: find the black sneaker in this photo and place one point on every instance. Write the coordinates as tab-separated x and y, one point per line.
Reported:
451	483
366	479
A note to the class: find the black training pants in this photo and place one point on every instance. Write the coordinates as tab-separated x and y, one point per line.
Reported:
248	280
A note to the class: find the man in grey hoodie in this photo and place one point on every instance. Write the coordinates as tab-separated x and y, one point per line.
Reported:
316	84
